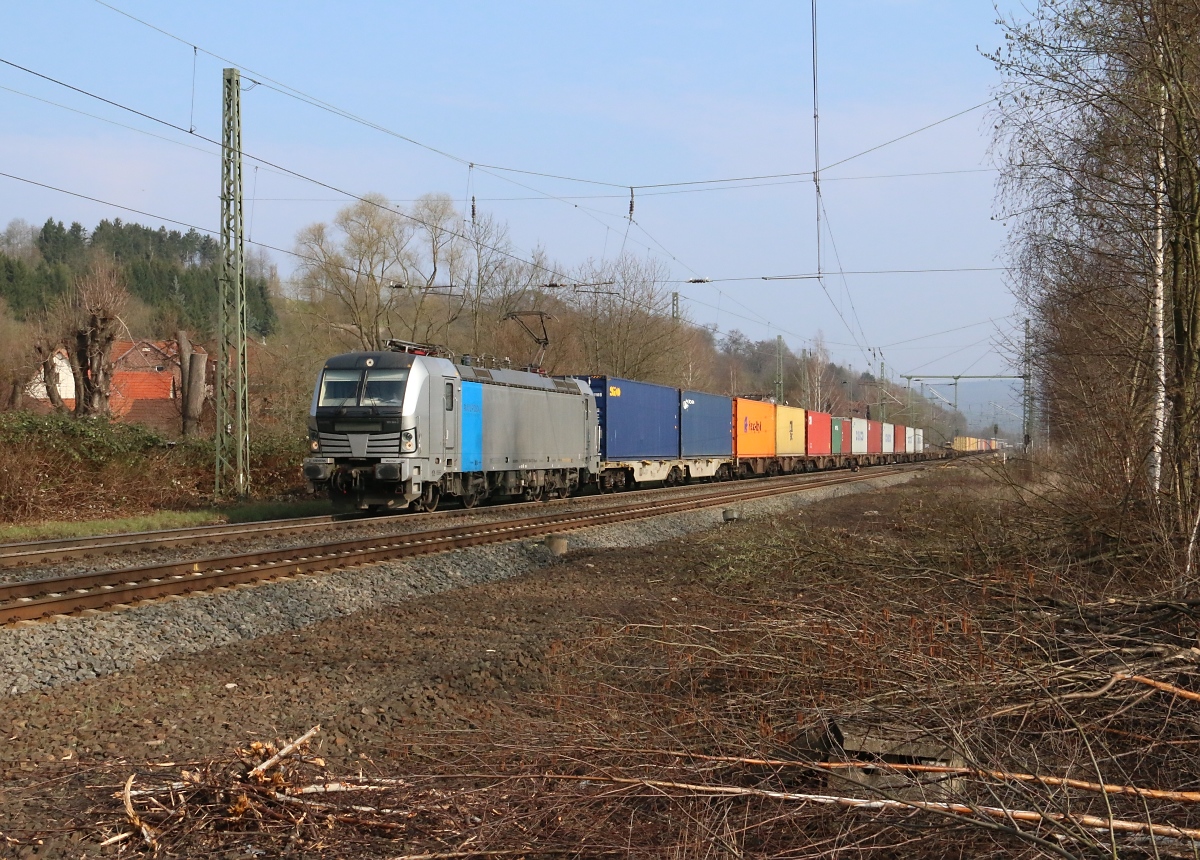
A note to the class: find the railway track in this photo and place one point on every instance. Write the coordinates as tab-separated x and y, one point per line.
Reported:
62	595
43	552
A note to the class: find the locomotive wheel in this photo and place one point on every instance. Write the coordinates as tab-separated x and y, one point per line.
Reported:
469	500
429	499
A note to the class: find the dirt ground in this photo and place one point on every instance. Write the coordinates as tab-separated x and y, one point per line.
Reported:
568	670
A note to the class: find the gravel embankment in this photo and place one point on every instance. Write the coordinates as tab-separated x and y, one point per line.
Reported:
62	651
352	529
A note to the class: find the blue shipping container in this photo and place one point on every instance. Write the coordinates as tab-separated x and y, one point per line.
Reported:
472	427
638	421
705	425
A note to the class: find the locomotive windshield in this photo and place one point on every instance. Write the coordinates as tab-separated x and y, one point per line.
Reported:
383	387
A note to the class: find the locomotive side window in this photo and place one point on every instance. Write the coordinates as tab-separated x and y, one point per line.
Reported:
448	397
339	387
385	387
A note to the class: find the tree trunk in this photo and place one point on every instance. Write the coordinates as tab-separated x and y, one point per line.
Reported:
193	403
45	353
184	356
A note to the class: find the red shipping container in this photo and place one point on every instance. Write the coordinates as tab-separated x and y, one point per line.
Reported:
901	434
820	433
874	437
847	434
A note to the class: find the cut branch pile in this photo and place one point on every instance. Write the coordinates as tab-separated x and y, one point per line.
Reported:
933	689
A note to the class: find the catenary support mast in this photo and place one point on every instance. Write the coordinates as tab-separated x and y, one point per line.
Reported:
232	392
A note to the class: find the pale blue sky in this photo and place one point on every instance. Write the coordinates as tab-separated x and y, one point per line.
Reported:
622	92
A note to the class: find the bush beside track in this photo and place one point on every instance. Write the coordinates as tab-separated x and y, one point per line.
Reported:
58	467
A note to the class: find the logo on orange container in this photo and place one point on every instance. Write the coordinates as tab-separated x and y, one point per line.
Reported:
749	426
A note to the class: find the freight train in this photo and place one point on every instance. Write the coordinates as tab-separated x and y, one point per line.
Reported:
409	426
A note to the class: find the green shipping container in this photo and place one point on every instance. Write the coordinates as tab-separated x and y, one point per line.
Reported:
837	436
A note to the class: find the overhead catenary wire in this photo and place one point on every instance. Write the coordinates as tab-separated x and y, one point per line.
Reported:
845	285
680	187
938	333
211	232
573	197
268	163
292	92
285	172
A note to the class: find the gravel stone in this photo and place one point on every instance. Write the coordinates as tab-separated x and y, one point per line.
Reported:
64	650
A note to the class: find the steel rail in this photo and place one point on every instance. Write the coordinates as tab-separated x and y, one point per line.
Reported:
22	601
27	553
31	553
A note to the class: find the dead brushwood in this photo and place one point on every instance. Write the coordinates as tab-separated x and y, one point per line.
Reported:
949	683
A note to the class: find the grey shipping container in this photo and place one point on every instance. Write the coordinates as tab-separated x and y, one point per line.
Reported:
638	421
705	425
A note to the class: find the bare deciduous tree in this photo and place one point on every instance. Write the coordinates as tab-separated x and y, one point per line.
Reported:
346	272
1099	137
92	319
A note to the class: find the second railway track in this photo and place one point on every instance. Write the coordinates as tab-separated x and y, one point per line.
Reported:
62	595
33	554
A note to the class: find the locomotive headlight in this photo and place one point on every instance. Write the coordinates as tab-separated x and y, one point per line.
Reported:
408	441
314	445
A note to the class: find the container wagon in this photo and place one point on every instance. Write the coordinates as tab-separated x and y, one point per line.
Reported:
790	435
836	435
754	437
705	435
874	440
858	440
639	432
820	435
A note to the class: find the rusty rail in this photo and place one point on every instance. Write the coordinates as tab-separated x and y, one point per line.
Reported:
33	599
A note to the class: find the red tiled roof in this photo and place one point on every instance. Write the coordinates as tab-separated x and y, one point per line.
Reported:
131	388
142	385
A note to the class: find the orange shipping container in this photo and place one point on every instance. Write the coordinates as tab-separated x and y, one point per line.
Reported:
789	430
753	428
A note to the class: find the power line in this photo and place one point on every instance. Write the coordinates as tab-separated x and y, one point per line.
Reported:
909	134
271	164
845	284
812	276
109	121
571	197
937	333
879	272
949	355
313	101
176	221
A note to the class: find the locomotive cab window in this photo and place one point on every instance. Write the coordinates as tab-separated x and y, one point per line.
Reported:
339	387
448	397
385	387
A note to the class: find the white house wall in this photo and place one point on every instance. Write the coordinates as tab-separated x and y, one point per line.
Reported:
66	381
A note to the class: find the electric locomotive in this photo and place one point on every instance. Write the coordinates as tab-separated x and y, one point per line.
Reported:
405	427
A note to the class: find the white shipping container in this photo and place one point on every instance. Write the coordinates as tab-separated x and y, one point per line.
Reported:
920	441
910	440
889	438
858	430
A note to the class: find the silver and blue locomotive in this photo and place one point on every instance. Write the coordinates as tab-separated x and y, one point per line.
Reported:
406	427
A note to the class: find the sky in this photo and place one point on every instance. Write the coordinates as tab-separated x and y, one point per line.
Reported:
615	93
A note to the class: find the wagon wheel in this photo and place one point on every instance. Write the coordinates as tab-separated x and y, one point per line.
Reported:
469	500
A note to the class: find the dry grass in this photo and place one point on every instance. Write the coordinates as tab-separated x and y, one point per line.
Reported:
1061	700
